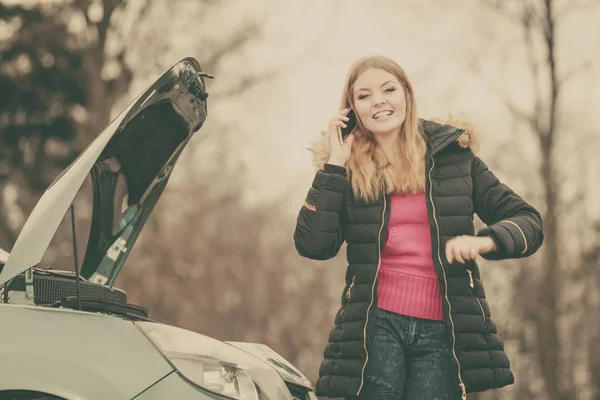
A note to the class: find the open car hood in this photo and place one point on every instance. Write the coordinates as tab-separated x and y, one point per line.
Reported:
130	163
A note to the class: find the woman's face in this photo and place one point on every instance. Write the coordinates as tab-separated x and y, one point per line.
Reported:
379	101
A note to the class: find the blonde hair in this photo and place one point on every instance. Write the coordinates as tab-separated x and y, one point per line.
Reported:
370	170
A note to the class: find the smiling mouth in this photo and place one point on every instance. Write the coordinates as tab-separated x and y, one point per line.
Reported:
382	114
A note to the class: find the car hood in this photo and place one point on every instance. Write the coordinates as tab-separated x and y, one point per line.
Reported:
130	162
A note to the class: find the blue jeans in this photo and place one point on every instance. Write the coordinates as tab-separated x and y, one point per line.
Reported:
409	359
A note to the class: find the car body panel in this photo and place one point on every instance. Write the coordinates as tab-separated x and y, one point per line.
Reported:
75	355
171	339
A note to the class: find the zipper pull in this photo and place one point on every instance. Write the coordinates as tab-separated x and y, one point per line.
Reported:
471	283
350	288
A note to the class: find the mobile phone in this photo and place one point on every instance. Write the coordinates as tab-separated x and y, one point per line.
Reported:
351	125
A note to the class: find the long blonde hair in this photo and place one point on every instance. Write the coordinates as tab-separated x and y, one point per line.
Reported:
370	170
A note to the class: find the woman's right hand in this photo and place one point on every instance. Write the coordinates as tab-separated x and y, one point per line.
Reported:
340	152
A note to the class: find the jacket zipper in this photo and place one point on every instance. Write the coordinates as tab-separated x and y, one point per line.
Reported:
348	294
349	291
472	284
362	376
461	384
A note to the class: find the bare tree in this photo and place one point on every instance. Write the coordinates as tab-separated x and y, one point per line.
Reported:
590	266
538	20
56	92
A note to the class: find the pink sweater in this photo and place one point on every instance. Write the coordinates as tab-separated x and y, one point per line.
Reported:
408	283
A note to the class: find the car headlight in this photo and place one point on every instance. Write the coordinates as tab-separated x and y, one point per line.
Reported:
288	372
215	366
214	375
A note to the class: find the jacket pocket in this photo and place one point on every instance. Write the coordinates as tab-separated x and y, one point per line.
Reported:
349	291
310	207
472	287
347	296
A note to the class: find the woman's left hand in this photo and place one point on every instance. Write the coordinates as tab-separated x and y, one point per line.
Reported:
466	248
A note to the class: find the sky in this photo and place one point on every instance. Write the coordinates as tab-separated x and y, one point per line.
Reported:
460	57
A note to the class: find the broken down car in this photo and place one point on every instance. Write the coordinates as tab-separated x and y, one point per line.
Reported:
72	334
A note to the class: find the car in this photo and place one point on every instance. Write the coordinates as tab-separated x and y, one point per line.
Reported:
72	334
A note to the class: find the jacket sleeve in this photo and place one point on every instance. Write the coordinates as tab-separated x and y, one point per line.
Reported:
514	225
319	233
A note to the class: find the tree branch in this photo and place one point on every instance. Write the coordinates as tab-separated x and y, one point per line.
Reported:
7	235
518	113
554	85
577	6
83	5
585	65
108	7
239	40
534	66
499	6
252	80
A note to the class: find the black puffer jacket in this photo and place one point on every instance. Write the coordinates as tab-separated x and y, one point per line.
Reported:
458	184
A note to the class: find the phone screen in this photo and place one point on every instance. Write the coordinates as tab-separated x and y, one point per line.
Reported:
351	125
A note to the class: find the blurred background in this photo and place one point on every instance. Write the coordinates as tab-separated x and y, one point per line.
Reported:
217	255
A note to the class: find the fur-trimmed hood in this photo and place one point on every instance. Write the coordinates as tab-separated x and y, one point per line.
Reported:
439	131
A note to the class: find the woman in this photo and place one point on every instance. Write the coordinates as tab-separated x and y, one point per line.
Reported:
414	322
